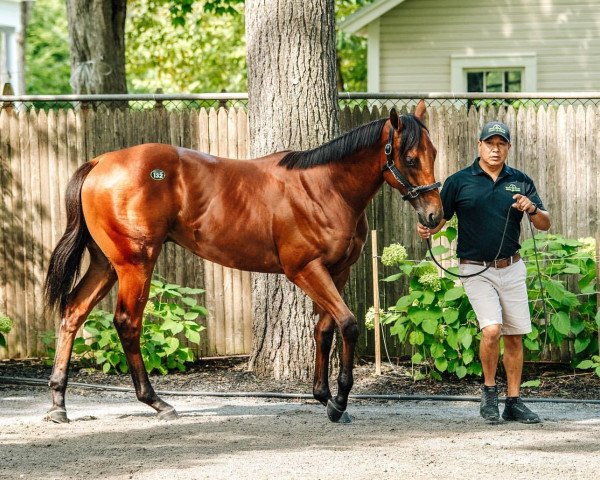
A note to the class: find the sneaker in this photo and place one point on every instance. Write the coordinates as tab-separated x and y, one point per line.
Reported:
516	411
489	404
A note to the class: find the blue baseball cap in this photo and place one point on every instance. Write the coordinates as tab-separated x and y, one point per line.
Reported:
495	128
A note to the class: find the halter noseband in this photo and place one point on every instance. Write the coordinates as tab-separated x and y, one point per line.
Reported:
413	192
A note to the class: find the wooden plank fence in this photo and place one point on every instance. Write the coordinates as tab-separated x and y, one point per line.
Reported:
40	150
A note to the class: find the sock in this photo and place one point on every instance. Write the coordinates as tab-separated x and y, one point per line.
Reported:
511	400
490	389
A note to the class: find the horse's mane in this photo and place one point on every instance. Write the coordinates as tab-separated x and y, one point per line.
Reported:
356	139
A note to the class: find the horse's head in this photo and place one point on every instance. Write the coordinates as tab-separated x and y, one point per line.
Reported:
409	159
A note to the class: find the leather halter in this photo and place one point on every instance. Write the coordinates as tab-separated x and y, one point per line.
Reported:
413	192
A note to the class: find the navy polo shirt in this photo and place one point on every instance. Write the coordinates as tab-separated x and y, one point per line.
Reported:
482	205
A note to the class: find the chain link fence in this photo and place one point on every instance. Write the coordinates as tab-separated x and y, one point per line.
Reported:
351	100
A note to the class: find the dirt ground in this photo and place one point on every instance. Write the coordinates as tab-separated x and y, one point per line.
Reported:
113	436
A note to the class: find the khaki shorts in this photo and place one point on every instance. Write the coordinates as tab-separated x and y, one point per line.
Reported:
499	297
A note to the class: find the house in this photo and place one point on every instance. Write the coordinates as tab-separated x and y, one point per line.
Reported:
480	46
10	27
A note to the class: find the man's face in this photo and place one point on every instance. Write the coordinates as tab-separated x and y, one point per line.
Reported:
494	151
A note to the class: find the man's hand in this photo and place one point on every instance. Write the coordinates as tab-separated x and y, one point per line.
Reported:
423	231
523	204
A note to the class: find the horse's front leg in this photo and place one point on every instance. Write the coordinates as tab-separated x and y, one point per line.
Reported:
317	282
323	340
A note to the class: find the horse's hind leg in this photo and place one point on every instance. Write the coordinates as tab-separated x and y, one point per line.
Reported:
134	285
92	288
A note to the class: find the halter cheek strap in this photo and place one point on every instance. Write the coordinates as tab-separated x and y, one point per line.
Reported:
412	191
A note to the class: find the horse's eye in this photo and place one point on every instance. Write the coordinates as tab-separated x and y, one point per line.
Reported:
411	161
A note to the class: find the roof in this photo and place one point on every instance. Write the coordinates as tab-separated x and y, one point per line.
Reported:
362	17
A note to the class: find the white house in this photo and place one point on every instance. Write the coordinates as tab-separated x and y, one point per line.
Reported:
10	26
480	46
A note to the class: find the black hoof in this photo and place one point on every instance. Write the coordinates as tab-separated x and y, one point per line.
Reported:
336	414
168	414
58	415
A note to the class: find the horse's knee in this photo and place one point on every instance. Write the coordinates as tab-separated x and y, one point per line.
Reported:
349	329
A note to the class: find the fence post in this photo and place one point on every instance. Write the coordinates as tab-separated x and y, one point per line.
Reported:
376	302
598	279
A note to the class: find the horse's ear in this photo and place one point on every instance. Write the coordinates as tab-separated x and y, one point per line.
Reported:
395	121
420	110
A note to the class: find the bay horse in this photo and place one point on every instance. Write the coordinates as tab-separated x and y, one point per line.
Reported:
299	213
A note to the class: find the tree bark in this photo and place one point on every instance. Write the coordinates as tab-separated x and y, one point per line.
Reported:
293	106
97	42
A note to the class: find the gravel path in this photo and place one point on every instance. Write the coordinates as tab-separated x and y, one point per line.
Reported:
112	436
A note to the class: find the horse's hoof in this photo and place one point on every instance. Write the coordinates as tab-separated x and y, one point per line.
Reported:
169	414
58	415
336	414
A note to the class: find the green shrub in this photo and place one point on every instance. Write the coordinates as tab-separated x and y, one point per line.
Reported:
437	320
5	327
171	310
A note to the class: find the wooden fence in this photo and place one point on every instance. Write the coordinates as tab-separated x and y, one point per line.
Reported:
40	150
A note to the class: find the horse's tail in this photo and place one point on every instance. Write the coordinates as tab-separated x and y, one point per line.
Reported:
65	260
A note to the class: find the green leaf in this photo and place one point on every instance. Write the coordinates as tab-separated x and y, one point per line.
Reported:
531	384
581	344
577	325
191	315
454	293
597	318
416	338
441	364
416	358
452	339
191	291
106	367
450	315
466	338
467	356
429	325
571	269
399	329
598	371
173	327
428	297
531	345
393	278
439	250
561	322
585	364
461	371
192	336
437	350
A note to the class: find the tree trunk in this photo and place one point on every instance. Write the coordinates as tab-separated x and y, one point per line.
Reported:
293	106
97	41
21	45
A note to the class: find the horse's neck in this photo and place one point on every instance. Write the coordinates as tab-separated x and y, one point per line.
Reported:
358	178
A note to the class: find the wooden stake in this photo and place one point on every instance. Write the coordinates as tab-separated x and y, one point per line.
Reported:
376	302
598	279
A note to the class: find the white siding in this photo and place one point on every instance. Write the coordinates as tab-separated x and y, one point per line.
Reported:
418	38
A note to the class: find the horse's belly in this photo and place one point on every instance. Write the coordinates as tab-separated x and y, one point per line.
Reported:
243	252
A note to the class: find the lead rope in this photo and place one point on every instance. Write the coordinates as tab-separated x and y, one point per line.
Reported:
486	268
542	292
537	264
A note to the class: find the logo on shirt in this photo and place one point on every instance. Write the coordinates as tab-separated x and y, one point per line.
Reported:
512	188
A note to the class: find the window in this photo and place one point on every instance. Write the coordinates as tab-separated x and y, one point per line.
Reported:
491	73
490	81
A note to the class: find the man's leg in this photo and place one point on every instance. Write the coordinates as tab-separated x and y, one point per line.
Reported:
513	363
489	351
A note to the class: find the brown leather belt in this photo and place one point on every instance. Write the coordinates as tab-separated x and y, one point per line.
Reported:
500	263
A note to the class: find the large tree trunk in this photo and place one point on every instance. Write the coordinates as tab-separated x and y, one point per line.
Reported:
97	40
293	105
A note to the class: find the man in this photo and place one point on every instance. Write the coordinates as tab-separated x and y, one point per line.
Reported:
490	199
